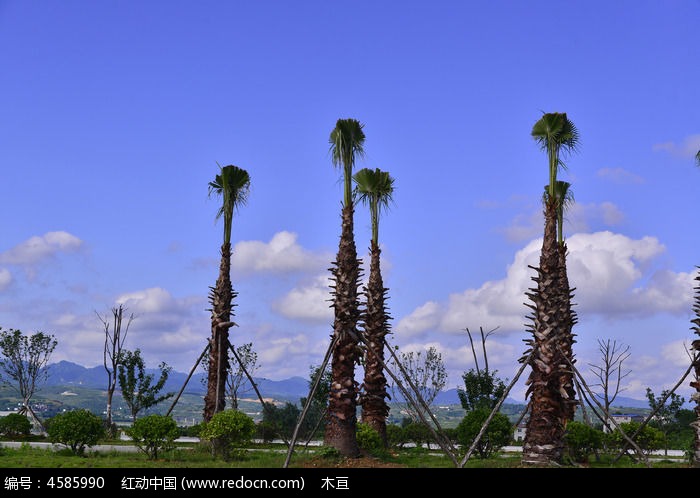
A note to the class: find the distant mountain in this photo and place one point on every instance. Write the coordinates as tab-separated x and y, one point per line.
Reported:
66	373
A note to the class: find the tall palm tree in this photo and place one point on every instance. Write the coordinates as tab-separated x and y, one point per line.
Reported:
565	198
346	143
232	184
549	405
695	384
375	188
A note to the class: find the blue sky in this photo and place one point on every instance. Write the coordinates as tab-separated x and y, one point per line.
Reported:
116	114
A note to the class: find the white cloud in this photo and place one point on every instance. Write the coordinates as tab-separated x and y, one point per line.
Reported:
151	300
610	272
423	318
281	254
612	277
309	302
40	248
688	148
5	278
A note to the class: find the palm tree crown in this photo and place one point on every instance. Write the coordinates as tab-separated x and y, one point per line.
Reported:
233	184
555	133
346	143
375	188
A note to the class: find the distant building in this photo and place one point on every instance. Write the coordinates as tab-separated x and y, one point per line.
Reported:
620	418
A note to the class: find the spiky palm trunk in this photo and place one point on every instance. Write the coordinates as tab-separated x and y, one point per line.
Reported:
695	384
566	373
544	439
376	324
221	299
341	426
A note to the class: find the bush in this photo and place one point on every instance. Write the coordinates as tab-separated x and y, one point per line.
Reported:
582	440
153	434
14	425
395	436
369	439
417	433
228	431
648	440
498	434
76	429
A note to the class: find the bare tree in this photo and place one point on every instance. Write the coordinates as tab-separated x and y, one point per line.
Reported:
115	338
246	360
610	373
24	361
427	373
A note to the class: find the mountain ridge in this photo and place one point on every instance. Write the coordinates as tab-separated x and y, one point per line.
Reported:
291	389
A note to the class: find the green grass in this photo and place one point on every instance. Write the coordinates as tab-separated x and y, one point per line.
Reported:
195	455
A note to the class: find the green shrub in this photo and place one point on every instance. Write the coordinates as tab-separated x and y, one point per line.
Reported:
498	434
582	440
648	440
153	434
14	425
417	433
369	439
395	435
227	432
76	429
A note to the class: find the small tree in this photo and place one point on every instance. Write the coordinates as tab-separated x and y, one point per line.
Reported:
281	420
498	434
666	413
113	346
153	434
137	387
24	362
14	425
426	372
316	413
237	376
76	429
482	388
649	439
610	373
582	440
228	431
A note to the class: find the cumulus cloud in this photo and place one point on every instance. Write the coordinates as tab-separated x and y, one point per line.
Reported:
309	302
5	278
282	254
611	273
40	248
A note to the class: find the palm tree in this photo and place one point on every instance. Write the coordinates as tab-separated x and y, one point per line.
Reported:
695	384
346	143
375	188
565	198
549	405
233	185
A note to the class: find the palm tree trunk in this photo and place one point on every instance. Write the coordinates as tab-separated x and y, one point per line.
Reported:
342	407
221	298
544	439
695	384
374	406
566	375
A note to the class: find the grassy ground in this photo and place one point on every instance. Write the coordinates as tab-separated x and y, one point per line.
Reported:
193	455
